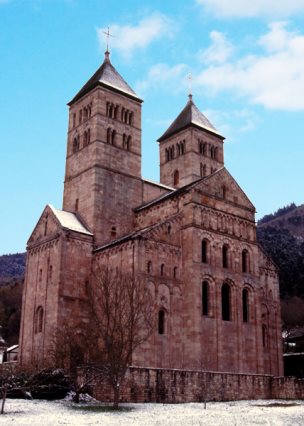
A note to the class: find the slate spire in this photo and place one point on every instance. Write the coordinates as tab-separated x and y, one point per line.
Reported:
189	116
106	76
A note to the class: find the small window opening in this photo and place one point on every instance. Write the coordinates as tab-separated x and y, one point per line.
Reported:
175	272
264	335
161	322
176	178
245	305
224	189
226	315
205	298
76	204
204	251
113	231
162	269
40	275
169	229
39	319
225	256
149	267
50	272
245	261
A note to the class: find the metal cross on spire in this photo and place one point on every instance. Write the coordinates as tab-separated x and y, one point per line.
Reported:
107	33
189	77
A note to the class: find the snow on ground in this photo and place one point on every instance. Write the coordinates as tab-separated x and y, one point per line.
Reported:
243	413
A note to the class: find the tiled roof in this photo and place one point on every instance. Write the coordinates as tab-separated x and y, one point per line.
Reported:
70	221
190	115
106	75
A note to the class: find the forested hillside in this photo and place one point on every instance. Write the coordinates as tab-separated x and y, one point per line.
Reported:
281	235
290	217
12	267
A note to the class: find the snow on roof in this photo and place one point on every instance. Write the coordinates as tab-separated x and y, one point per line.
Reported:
70	221
12	348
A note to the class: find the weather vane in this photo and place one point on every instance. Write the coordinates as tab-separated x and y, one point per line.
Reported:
107	33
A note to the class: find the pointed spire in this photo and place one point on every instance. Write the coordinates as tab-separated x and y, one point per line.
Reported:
107	76
189	116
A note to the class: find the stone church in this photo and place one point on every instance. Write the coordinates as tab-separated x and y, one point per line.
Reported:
191	237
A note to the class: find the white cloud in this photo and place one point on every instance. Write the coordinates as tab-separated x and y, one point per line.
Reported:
274	78
127	38
252	8
220	49
162	76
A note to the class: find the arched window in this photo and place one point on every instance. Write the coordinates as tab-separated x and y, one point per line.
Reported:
39	319
75	145
224	191
161	321
245	304
176	178
205	298
74	119
204	251
111	111
169	229
212	152
128	146
88	136
183	146
85	113
226	296
167	154
85	138
50	272
205	149
225	250
216	153
245	261
113	138
116	111
76	204
109	135
122	113
131	118
162	269
175	272
113	232
264	336
80	116
149	267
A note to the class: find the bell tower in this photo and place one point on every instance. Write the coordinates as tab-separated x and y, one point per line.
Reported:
103	161
190	148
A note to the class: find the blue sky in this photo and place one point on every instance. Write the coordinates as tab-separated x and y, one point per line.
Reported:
246	61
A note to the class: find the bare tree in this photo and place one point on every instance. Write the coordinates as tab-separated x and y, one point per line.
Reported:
68	347
123	318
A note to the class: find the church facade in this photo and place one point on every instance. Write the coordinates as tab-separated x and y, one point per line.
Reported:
191	238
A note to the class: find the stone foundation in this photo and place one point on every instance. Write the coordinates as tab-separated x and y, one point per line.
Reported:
177	386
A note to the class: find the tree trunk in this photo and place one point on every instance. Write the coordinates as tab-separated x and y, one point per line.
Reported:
116	396
3	400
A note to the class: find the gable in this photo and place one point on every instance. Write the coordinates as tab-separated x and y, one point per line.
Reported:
222	187
46	226
52	221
